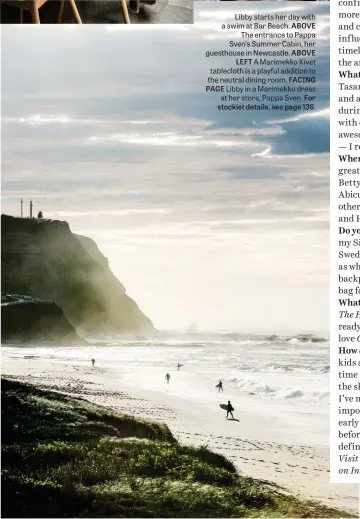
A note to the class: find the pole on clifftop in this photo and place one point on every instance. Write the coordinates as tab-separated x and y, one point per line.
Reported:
21	204
31	208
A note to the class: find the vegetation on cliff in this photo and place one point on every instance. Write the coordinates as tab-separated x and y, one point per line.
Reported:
65	457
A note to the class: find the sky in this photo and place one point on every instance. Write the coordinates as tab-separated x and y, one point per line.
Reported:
206	217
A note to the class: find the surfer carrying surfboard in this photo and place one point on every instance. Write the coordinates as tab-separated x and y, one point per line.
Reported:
220	386
229	409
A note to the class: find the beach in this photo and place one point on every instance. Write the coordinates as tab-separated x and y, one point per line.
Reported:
260	443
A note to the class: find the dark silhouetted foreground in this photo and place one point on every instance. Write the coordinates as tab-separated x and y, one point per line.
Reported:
65	457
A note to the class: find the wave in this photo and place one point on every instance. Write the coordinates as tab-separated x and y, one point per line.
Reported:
251	387
297	368
302	339
281	368
203	339
243	337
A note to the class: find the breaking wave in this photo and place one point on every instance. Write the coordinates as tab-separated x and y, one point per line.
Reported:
292	369
254	388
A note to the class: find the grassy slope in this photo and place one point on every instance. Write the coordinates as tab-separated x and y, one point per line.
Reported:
64	457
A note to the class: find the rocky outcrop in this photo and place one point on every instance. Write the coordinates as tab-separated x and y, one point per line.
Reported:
26	319
44	259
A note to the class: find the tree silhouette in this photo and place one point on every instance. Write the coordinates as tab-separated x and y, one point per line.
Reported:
40	214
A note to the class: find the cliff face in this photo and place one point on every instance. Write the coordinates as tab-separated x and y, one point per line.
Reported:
27	319
44	259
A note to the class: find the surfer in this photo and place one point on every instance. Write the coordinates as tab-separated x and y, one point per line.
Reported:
179	366
93	362
167	377
229	409
220	386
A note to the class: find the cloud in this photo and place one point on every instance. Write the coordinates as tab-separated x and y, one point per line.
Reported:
264	153
111	212
324	113
190	203
39	119
168	139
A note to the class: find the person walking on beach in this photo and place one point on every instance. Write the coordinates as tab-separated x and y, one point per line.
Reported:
220	386
179	366
229	409
93	362
167	377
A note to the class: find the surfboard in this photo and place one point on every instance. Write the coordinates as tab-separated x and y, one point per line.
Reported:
224	406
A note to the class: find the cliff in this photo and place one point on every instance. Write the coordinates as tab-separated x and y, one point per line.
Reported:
26	319
44	259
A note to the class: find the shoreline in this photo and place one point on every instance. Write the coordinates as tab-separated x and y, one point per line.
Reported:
300	470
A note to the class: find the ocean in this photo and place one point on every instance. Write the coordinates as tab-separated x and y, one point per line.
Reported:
283	376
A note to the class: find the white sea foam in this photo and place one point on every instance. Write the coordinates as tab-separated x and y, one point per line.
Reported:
283	378
289	369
